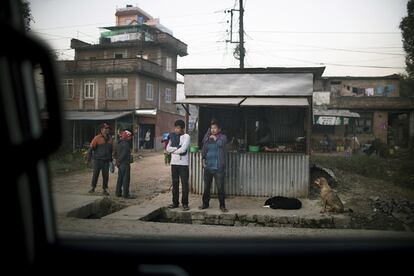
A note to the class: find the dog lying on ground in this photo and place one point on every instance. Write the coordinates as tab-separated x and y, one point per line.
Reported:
280	202
329	198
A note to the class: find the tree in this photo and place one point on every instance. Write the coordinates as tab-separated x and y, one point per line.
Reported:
407	28
27	14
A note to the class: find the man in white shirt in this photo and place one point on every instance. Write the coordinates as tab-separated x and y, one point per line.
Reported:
178	147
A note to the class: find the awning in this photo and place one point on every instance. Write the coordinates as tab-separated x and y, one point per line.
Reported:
272	101
212	101
94	115
236	85
336	112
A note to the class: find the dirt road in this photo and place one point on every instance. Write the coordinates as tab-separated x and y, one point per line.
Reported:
149	177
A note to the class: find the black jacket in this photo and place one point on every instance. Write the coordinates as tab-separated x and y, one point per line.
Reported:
123	152
101	148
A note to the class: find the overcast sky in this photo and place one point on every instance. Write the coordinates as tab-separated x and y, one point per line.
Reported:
349	37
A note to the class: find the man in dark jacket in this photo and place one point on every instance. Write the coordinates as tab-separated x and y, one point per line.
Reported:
214	164
101	151
123	162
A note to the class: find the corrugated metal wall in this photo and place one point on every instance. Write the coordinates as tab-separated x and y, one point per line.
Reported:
258	174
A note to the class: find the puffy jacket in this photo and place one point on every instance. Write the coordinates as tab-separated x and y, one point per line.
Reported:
222	150
123	151
101	148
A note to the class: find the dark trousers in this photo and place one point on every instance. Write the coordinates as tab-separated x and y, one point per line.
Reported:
122	184
177	172
208	180
99	165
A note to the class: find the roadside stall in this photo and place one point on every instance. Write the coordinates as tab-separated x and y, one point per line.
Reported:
266	114
338	123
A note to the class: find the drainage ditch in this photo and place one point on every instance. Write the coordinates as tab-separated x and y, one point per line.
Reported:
97	209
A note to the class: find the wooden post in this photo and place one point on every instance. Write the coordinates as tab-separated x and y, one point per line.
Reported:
309	127
187	117
74	136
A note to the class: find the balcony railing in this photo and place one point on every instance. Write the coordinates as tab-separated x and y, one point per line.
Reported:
110	66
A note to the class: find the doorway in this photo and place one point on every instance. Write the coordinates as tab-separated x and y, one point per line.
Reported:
146	136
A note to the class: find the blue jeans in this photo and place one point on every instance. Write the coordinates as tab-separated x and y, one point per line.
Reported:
122	184
208	180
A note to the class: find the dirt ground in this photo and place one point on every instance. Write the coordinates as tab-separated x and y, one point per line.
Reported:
376	204
149	177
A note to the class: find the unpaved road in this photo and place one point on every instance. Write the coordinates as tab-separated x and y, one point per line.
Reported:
149	177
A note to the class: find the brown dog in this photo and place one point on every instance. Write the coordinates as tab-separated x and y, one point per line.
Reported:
329	197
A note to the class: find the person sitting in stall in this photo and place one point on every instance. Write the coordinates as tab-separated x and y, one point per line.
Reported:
326	143
263	133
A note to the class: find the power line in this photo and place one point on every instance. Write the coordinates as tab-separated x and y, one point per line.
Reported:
319	32
333	49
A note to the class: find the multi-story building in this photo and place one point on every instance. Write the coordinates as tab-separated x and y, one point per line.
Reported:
383	113
128	79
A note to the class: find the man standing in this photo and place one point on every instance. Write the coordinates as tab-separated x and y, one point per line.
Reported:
101	151
178	147
123	162
214	164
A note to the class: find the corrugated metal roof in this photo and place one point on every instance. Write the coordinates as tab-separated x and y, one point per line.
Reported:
212	100
336	113
316	71
94	115
272	101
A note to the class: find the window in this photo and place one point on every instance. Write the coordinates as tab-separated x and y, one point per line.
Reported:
168	64
168	95
117	88
150	92
68	89
118	55
89	89
92	58
363	124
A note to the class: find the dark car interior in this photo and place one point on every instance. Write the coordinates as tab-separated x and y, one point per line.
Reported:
31	132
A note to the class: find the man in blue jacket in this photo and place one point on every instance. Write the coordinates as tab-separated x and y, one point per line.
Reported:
214	163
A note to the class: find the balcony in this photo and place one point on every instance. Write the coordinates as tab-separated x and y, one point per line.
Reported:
372	103
116	66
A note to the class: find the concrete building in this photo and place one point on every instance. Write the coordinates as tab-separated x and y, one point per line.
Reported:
128	79
383	113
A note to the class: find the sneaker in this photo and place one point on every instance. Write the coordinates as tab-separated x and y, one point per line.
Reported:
91	191
129	197
172	206
186	208
202	207
105	192
224	209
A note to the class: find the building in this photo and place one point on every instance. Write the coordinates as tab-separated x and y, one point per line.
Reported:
383	114
245	102
128	79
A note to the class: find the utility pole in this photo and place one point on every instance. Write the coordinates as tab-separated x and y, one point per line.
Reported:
241	34
239	52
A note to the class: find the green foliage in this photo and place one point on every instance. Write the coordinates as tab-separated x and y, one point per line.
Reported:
407	30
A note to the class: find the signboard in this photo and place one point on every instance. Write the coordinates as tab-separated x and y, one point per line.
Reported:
331	120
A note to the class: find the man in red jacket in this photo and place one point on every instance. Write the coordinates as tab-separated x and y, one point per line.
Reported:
101	151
